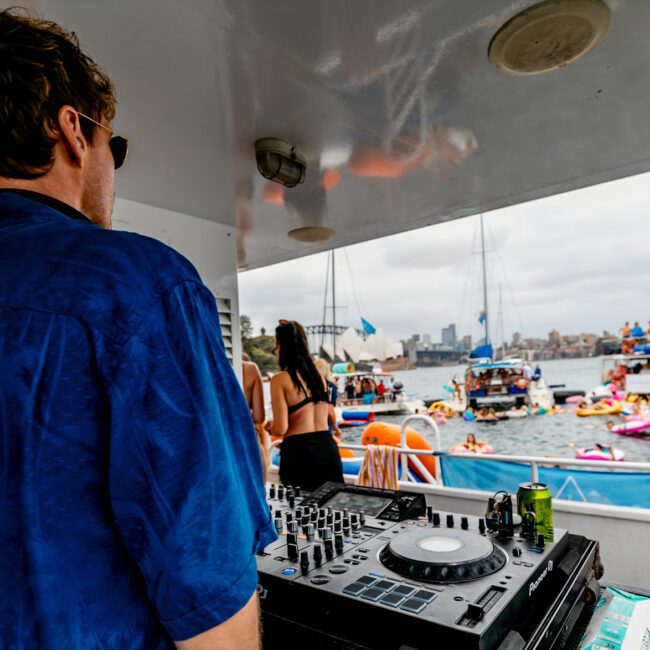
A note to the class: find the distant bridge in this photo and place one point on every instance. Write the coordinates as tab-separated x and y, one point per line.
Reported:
328	330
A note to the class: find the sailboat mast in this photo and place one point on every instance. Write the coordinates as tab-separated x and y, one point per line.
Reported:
500	332
485	293
333	307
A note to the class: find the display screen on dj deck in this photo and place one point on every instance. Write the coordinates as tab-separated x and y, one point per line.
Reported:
371	505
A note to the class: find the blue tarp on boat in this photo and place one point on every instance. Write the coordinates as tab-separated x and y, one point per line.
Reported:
611	488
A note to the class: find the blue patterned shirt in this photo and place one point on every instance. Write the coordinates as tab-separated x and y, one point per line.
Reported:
131	497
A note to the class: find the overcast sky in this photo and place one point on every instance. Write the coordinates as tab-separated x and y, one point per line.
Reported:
576	262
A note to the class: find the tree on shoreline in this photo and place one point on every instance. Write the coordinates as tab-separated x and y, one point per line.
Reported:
259	348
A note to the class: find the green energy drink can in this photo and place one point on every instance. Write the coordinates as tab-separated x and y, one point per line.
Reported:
535	498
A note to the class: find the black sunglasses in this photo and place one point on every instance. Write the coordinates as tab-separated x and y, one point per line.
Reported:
118	145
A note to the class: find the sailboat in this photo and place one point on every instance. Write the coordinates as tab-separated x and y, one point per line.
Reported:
357	355
505	385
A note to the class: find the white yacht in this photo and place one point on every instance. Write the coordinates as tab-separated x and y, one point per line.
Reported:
505	384
395	400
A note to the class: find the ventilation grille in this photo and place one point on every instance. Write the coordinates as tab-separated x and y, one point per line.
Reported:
225	319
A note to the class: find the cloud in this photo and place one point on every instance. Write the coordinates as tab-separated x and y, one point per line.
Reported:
575	262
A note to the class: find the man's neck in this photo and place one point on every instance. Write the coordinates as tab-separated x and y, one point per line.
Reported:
44	185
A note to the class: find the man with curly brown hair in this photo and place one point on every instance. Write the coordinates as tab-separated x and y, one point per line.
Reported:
129	512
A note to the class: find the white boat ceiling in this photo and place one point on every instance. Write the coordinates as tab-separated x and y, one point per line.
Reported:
403	120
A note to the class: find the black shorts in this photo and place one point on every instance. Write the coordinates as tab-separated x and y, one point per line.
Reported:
309	460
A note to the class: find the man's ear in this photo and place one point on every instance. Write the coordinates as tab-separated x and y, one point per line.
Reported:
72	137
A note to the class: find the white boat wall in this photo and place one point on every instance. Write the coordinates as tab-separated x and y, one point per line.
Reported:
612	526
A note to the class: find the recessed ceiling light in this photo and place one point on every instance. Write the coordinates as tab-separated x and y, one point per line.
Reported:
312	234
549	35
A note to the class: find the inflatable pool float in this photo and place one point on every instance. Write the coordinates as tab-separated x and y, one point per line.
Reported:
468	416
637	417
352	465
382	433
487	420
352	423
363	416
591	453
631	427
574	399
609	409
461	448
441	407
516	414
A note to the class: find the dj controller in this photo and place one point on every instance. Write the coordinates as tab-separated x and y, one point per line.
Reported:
364	568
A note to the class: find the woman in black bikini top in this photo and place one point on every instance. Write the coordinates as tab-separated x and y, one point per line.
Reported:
309	456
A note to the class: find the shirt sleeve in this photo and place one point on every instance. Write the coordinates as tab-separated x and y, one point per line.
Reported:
185	472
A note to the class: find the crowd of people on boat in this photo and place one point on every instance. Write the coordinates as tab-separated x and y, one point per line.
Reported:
495	379
366	390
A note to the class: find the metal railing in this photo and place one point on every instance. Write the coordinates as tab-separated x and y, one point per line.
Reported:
535	462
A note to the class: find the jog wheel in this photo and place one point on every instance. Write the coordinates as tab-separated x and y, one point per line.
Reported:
442	555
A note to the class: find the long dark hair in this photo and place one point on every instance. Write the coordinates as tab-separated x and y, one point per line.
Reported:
296	360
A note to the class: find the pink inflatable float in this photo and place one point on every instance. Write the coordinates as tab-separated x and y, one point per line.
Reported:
593	453
574	399
462	448
632	427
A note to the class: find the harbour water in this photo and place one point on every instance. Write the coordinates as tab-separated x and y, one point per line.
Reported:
544	435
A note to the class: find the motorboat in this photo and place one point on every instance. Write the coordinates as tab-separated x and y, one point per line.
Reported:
501	385
395	400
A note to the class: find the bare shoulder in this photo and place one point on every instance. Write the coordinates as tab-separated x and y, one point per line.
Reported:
280	378
251	370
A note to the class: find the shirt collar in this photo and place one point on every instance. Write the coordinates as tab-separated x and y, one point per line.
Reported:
50	201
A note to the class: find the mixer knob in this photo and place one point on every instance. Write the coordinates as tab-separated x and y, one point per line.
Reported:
272	491
313	516
304	561
318	555
346	521
292	547
322	522
288	516
329	520
430	514
298	491
354	521
278	525
481	526
327	533
309	532
362	518
322	513
329	549
280	492
540	541
298	513
292	501
305	519
464	523
338	544
436	519
292	527
330	510
450	521
516	551
338	515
